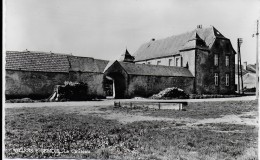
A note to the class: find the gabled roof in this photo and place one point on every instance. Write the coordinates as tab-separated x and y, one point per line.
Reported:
37	61
251	68
194	42
52	62
172	45
152	70
87	64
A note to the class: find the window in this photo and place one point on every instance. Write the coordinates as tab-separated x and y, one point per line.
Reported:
227	60
158	62
143	63
227	79
148	62
177	62
216	79
170	62
215	59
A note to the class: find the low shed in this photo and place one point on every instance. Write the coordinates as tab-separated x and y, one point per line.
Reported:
130	80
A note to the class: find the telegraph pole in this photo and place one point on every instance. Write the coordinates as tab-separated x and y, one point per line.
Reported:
238	79
257	69
239	68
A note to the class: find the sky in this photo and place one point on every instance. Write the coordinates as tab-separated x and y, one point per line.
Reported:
103	29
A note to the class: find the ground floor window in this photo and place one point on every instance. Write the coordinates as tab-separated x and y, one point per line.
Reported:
158	62
227	79
216	79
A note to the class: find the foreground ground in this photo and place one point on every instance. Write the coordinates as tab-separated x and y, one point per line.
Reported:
205	130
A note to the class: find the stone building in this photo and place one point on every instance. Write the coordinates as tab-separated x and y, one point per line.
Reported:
205	52
34	74
200	62
141	80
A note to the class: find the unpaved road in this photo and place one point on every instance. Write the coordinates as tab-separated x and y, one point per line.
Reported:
111	102
100	108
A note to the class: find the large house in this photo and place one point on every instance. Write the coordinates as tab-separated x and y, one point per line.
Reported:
205	52
200	62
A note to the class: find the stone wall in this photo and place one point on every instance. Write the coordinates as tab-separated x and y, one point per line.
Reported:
205	69
37	85
146	86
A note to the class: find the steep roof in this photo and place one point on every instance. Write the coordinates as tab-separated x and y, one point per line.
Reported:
87	64
52	62
37	61
152	70
126	57
172	45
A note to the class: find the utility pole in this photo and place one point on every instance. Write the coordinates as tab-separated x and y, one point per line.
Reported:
239	42
238	67
257	69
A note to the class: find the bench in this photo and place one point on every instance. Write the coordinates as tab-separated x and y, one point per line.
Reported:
181	103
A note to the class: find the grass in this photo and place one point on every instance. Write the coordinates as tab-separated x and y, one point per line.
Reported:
197	110
47	132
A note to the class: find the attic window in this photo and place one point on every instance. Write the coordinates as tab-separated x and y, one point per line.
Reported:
217	32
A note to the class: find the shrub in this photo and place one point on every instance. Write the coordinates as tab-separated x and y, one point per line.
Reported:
73	91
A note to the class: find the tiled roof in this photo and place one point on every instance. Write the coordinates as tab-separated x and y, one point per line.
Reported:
37	61
52	62
152	70
171	45
86	64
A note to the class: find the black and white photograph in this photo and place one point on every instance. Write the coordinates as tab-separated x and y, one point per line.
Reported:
130	79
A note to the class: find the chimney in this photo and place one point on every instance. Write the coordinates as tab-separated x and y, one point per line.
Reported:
244	65
199	26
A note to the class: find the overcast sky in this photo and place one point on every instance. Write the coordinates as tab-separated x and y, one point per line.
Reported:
104	28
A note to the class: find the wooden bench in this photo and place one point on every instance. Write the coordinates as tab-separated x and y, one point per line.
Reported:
181	103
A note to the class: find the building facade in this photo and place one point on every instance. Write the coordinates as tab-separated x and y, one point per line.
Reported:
35	74
208	55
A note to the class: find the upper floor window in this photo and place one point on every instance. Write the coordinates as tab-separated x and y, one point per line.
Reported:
216	59
177	62
216	79
158	62
148	62
227	79
170	62
227	60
